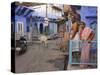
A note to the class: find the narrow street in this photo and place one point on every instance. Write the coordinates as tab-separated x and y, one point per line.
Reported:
39	58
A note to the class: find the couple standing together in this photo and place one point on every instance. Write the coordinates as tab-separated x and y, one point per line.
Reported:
79	31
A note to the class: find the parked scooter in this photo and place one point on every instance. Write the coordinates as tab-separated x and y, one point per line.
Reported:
21	45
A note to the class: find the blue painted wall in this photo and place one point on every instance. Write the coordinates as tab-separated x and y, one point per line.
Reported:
88	11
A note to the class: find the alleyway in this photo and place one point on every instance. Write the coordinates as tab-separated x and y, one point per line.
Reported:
39	58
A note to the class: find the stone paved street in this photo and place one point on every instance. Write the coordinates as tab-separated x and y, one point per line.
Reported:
39	58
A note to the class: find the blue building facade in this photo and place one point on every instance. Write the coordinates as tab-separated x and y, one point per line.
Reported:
19	20
89	16
23	13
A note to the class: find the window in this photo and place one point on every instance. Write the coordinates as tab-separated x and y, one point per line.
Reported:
20	28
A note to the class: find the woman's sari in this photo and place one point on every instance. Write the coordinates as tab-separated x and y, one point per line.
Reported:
85	45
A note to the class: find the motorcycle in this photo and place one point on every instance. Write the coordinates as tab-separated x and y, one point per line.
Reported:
21	45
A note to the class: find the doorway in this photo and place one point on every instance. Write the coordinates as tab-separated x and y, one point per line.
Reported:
41	28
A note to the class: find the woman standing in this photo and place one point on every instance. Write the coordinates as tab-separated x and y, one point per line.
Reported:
86	35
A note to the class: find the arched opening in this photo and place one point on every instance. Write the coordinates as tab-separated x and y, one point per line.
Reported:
35	27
